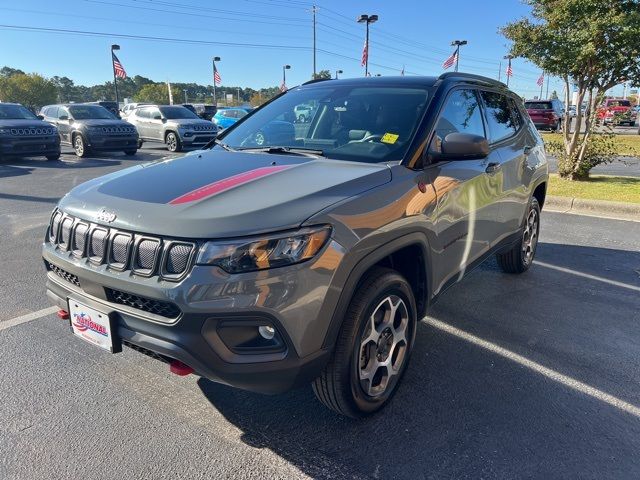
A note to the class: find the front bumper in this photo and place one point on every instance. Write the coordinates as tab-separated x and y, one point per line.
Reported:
287	298
30	146
106	143
196	138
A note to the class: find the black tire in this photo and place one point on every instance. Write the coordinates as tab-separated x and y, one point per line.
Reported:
173	142
130	152
53	158
519	258
339	386
80	146
139	144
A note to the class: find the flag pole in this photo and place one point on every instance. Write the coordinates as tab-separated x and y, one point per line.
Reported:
457	56
113	67
541	85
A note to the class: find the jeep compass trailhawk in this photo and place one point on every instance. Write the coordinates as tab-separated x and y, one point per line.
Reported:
288	253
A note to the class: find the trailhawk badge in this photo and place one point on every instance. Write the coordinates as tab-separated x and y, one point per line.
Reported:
105	215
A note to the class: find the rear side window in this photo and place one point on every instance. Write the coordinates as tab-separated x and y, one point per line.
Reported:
538	105
143	112
461	114
499	114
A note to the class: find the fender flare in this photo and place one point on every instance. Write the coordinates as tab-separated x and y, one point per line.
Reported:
365	263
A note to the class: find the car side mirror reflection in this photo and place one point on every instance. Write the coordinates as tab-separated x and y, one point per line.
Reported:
63	117
461	146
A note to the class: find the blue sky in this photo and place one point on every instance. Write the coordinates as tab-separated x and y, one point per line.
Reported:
413	33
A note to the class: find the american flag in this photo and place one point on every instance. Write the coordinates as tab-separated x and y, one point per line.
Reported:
217	79
117	67
283	87
365	54
451	61
540	80
509	70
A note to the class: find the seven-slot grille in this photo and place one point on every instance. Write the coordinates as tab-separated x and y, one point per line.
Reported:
120	250
32	131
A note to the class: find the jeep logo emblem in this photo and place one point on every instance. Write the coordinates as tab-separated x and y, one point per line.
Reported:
105	216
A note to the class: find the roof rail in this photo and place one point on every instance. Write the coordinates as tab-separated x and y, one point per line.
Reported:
471	76
316	80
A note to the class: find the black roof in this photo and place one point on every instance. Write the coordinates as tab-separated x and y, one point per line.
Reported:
413	80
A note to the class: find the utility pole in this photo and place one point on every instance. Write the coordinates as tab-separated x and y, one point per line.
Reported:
314	9
547	97
238	96
185	95
500	71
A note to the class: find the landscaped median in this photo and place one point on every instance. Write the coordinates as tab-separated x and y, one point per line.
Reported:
602	195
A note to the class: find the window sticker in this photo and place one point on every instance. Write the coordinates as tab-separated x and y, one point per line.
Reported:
389	138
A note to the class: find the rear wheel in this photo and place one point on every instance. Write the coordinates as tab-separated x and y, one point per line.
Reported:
80	146
373	346
130	152
173	142
520	257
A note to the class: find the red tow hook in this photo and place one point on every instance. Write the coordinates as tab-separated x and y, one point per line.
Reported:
63	314
180	368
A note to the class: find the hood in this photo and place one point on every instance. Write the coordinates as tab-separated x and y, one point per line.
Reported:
218	194
33	123
94	122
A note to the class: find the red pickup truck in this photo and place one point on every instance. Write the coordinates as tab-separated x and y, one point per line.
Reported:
616	111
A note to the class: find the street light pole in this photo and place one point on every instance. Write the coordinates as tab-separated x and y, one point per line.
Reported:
284	77
367	19
115	82
337	72
458	44
215	100
185	95
314	9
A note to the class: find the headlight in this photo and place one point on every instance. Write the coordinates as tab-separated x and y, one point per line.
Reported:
278	250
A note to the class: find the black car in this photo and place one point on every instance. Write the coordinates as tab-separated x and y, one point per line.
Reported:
23	134
205	112
91	127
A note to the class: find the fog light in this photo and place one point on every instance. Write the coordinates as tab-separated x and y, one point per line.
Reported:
267	332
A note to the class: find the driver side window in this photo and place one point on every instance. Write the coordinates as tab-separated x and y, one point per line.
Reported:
460	114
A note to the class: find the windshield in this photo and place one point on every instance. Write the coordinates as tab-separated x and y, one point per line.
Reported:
15	112
175	113
367	124
90	112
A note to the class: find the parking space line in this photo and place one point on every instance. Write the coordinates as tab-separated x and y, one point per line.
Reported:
536	367
27	318
586	275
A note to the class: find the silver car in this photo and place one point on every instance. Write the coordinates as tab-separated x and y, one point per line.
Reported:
174	125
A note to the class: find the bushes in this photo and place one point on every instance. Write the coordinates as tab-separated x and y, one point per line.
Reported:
600	148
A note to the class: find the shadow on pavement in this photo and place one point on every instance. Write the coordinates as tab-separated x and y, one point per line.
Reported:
464	411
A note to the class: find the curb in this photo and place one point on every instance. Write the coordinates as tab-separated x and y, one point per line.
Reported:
597	208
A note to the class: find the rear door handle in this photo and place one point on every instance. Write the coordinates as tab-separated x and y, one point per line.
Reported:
492	168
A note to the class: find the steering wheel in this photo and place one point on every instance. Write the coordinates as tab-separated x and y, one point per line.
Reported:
371	138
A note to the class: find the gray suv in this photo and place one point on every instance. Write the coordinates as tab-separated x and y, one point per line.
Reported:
22	134
174	125
91	128
293	253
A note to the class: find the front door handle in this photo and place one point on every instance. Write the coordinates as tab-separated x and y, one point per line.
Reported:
492	168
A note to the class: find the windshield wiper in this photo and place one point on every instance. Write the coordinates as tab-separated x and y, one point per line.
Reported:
307	152
223	145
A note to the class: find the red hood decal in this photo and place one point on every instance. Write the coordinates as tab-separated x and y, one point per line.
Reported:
227	184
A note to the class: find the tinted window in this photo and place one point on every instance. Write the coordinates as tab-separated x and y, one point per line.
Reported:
499	116
538	105
461	114
177	112
89	112
15	112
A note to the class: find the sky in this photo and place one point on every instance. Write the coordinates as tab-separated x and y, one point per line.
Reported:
255	38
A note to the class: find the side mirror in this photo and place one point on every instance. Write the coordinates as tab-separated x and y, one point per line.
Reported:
63	117
463	146
40	117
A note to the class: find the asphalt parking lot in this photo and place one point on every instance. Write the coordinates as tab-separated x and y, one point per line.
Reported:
533	376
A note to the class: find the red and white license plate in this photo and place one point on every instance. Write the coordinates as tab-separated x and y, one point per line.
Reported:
91	325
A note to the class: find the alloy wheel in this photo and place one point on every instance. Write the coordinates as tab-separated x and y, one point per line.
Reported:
530	237
78	146
172	142
383	347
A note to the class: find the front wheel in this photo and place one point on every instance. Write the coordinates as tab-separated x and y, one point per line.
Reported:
130	152
80	146
53	158
519	258
173	142
373	346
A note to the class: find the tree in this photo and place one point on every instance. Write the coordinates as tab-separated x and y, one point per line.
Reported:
8	72
153	93
321	74
31	90
65	87
590	43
